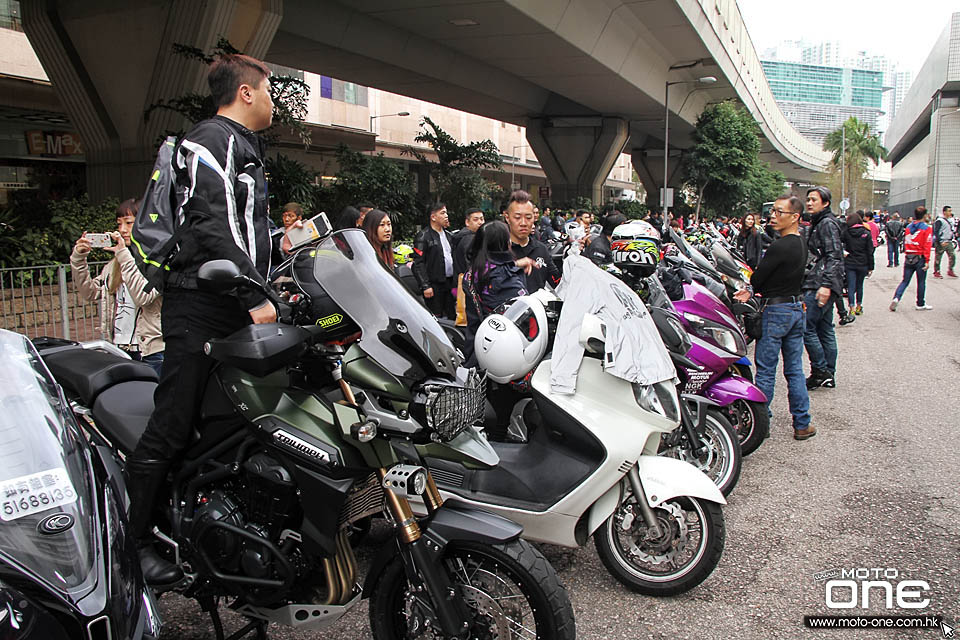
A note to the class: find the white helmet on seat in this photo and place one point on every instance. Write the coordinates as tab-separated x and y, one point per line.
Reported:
509	345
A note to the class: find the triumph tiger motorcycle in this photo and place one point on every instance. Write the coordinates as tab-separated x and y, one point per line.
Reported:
68	565
302	436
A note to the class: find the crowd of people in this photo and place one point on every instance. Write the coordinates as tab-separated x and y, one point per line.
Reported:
804	258
803	275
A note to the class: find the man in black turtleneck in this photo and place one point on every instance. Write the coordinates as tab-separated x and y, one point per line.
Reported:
822	284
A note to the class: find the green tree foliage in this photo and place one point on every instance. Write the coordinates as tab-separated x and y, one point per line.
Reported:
24	243
765	185
457	171
633	209
854	154
292	181
722	166
289	97
379	180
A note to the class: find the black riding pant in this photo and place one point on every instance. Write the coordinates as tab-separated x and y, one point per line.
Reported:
189	318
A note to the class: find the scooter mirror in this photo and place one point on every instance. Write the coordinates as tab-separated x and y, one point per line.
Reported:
219	276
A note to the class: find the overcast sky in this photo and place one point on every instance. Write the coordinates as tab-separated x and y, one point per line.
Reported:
902	30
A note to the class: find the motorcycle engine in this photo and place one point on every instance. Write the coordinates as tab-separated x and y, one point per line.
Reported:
238	526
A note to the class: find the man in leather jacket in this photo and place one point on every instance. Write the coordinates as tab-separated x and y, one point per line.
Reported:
221	188
822	284
433	263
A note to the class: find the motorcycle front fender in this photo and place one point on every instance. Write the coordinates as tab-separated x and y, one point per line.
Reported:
453	522
666	478
730	388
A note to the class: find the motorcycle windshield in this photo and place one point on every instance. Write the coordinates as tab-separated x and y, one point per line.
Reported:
727	264
657	294
46	518
695	256
397	331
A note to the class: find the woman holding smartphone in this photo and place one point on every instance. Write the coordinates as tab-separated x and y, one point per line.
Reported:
129	317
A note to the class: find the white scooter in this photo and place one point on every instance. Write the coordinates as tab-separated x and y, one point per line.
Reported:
587	465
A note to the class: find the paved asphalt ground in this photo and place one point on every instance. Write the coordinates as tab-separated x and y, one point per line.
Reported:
875	488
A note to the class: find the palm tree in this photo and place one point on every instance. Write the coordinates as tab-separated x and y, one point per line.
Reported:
860	147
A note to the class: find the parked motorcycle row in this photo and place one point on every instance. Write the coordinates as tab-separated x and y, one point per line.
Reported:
357	405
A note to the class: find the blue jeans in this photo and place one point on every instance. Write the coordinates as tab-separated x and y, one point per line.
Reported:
155	360
855	277
819	336
783	326
893	253
908	271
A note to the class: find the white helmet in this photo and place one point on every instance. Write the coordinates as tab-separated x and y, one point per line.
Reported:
510	344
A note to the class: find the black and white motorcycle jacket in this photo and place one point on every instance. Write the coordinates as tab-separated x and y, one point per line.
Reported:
222	197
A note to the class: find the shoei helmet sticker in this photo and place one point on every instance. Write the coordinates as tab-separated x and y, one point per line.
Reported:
26	495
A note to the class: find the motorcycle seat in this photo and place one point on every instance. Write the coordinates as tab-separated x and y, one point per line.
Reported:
87	372
122	411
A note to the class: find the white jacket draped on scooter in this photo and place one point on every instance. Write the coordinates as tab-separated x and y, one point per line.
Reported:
633	349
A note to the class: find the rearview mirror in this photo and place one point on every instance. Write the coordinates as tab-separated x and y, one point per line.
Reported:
219	275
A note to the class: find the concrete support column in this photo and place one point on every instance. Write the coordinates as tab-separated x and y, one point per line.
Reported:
577	153
109	61
648	163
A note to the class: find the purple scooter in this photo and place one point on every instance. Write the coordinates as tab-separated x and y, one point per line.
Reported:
717	344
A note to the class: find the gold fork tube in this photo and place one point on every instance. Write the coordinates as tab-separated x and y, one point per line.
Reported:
431	497
402	513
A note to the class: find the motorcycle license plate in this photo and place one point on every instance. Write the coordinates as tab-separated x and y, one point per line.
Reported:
23	496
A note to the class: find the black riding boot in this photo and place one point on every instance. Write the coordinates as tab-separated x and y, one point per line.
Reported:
144	479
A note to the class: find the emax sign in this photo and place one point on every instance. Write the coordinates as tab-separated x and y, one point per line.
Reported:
53	143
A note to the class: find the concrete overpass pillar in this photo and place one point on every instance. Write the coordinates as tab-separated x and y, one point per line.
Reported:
109	61
577	153
648	163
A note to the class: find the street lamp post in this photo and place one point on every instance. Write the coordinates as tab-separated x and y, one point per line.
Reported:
387	115
666	134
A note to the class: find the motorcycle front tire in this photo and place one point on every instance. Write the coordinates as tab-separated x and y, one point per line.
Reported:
751	421
517	561
620	565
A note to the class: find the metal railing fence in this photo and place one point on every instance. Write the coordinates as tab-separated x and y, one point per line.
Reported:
43	301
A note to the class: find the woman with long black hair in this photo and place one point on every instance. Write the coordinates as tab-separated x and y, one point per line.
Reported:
379	230
349	218
492	278
752	241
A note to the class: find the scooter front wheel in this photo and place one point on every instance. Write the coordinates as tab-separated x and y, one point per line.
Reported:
681	557
751	421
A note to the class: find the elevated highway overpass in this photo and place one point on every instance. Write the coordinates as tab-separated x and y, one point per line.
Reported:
586	77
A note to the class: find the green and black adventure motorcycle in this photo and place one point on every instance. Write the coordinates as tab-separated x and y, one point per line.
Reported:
310	426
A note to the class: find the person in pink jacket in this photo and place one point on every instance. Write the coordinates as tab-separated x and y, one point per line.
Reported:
872	226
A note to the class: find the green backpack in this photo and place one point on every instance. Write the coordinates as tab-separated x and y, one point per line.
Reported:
156	229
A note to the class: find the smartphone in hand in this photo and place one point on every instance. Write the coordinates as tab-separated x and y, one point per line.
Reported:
99	240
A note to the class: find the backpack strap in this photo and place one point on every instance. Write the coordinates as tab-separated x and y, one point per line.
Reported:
468	278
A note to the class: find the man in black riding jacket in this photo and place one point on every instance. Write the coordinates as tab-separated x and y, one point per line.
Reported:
221	189
433	263
531	255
